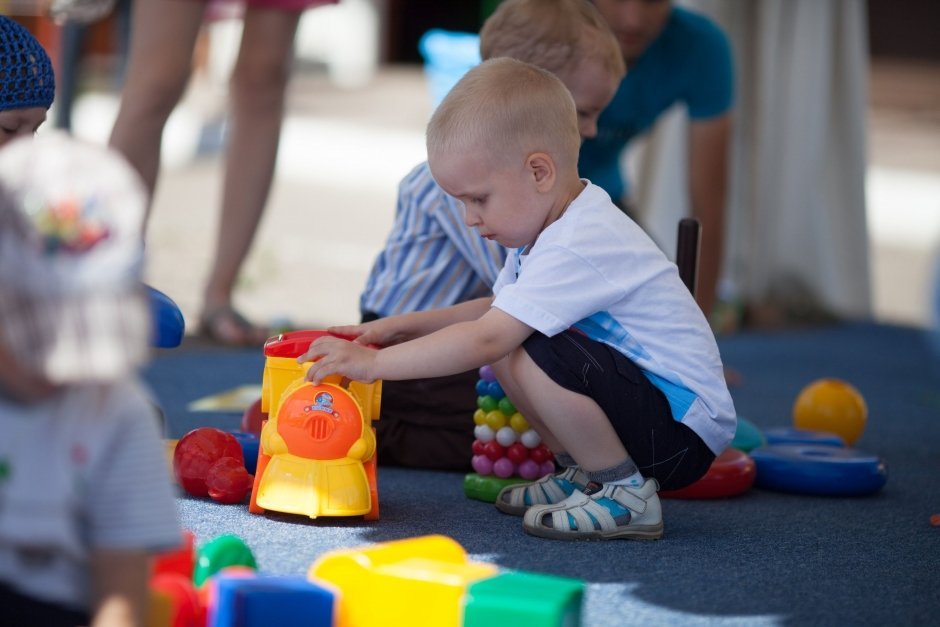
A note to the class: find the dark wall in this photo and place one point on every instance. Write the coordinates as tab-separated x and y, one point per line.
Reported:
407	20
908	29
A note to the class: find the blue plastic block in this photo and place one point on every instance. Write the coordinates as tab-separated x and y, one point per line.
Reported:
268	600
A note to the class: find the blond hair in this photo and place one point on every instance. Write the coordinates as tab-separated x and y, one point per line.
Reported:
555	35
508	108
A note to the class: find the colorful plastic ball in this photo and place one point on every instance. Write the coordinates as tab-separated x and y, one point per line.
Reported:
184	602
494	450
503	467
487	374
253	418
518	453
250	443
477	447
530	438
530	469
548	468
482	464
483	433
221	552
541	454
487	403
495	390
506	406
831	406
518	422
479	417
506	436
228	482
482	387
197	451
496	420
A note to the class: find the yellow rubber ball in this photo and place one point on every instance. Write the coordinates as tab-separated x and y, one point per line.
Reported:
831	406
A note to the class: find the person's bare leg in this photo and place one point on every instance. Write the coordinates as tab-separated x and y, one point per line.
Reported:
257	95
567	422
163	34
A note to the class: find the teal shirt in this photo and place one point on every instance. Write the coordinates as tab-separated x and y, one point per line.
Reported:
690	62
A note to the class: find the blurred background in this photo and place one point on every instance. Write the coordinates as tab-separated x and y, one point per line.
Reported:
835	197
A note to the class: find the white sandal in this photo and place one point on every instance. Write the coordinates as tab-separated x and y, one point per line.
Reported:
549	490
614	511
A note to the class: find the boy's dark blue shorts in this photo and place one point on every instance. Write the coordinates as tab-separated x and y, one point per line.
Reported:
660	446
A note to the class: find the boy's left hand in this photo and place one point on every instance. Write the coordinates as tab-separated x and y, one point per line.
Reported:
333	355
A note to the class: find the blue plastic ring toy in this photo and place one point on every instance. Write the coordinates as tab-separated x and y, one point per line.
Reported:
788	435
815	469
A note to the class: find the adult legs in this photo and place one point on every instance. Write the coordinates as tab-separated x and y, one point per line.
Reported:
257	96
163	34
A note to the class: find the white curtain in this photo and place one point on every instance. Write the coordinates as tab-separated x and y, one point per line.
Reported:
796	229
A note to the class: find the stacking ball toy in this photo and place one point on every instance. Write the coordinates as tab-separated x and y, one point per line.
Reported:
831	406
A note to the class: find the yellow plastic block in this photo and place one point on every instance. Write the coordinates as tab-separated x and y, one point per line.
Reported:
416	582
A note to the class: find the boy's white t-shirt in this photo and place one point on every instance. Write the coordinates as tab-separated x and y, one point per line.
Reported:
596	270
84	470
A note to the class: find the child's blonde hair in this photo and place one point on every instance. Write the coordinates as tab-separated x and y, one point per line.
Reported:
507	108
555	35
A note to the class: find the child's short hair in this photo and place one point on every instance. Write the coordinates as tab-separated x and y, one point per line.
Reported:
72	306
507	107
555	35
26	76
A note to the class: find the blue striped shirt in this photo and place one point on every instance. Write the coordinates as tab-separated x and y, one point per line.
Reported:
431	259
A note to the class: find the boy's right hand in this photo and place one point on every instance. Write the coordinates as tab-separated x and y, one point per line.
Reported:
381	332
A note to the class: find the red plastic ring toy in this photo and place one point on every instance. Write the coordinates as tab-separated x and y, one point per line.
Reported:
732	473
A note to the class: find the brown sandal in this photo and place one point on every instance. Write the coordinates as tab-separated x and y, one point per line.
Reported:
225	326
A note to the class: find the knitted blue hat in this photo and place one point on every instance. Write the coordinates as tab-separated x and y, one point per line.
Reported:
26	76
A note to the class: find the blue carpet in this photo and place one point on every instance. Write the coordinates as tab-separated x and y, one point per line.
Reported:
763	558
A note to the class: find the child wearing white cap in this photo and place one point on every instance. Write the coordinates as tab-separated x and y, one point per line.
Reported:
85	491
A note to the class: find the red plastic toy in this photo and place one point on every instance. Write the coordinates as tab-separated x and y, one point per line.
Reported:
732	473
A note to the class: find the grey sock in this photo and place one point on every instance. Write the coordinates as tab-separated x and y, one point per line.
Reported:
620	471
565	460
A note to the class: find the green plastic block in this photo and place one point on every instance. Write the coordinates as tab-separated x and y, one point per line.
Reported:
486	488
514	598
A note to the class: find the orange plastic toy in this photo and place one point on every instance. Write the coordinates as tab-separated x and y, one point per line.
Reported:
317	451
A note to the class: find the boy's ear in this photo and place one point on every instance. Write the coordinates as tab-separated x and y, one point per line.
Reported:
542	168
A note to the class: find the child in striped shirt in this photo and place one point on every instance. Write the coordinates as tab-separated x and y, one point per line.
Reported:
85	490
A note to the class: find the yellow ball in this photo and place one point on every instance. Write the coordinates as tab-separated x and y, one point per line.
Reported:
831	406
496	419
479	417
518	423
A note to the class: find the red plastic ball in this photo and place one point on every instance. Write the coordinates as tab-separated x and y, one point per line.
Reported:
517	453
197	451
540	454
477	447
228	481
494	450
253	418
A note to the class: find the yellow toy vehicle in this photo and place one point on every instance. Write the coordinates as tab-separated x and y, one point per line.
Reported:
317	451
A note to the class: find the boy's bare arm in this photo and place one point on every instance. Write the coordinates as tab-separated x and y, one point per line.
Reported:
404	327
119	580
455	348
